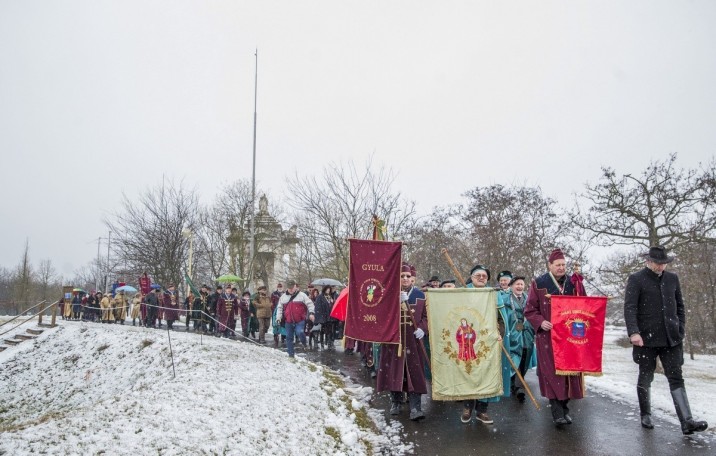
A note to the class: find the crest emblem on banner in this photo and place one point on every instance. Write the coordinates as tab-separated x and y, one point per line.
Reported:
371	293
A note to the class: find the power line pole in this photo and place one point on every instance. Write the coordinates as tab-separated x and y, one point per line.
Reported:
252	242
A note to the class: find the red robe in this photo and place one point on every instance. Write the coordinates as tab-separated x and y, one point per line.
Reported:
466	344
407	371
226	308
537	310
171	306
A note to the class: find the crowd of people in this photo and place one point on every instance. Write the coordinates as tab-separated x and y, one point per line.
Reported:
654	314
223	312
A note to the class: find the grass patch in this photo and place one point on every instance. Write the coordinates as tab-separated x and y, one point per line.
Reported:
102	348
312	367
333	432
363	421
145	343
72	359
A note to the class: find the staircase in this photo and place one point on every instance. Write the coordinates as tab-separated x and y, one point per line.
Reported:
19	338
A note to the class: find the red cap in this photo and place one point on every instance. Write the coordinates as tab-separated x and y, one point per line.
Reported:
406	268
556	255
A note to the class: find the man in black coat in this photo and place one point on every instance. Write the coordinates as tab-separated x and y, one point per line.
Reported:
656	321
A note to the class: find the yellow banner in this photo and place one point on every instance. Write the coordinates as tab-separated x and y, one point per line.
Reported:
464	348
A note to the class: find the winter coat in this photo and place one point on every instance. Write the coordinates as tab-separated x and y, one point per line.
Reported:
263	306
654	308
324	305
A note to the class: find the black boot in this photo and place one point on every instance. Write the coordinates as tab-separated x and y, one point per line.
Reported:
395	400
644	395
681	403
416	412
557	412
565	410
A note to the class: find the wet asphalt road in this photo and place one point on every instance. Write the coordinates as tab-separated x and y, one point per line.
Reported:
601	426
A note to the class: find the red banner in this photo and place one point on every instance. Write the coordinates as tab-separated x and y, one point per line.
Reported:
578	334
145	284
373	312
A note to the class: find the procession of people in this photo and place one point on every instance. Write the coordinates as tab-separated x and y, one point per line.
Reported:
653	308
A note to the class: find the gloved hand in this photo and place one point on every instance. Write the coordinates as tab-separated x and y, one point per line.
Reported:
403	296
419	333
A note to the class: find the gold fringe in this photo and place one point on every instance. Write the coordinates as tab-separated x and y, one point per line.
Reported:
575	373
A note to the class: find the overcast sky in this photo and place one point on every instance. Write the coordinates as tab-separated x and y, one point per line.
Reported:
98	98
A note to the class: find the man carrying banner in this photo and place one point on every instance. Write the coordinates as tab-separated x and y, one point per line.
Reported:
479	277
559	389
404	371
656	321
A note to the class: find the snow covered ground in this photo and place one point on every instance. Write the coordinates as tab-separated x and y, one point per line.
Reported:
88	388
620	373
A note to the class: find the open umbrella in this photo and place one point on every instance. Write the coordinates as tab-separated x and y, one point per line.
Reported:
229	278
326	282
339	307
78	290
155	286
127	289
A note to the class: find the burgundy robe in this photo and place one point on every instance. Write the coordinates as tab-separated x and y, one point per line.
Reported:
537	310
171	307
407	371
226	308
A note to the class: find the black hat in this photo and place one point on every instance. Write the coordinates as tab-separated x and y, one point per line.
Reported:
504	274
262	287
516	278
205	286
446	281
434	279
658	255
290	283
478	267
219	287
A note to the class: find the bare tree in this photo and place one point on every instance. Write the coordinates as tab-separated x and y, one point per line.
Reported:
147	234
22	280
665	205
46	276
338	205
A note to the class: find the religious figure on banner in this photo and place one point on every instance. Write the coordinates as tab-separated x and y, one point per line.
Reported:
466	339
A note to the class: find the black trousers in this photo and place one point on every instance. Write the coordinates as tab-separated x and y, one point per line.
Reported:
672	358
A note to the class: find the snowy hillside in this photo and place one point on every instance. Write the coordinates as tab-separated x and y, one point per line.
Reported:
92	388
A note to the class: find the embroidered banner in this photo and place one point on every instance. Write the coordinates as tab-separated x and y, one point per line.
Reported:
373	311
578	334
465	353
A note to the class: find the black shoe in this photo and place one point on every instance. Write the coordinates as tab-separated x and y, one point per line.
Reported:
521	397
416	415
567	418
559	422
395	408
646	422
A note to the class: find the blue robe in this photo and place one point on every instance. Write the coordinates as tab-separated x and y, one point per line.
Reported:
519	340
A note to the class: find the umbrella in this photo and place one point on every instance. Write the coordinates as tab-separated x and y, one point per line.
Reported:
127	288
156	286
324	282
229	278
339	307
78	290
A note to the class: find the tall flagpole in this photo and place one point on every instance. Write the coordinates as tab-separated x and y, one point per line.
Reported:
252	245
